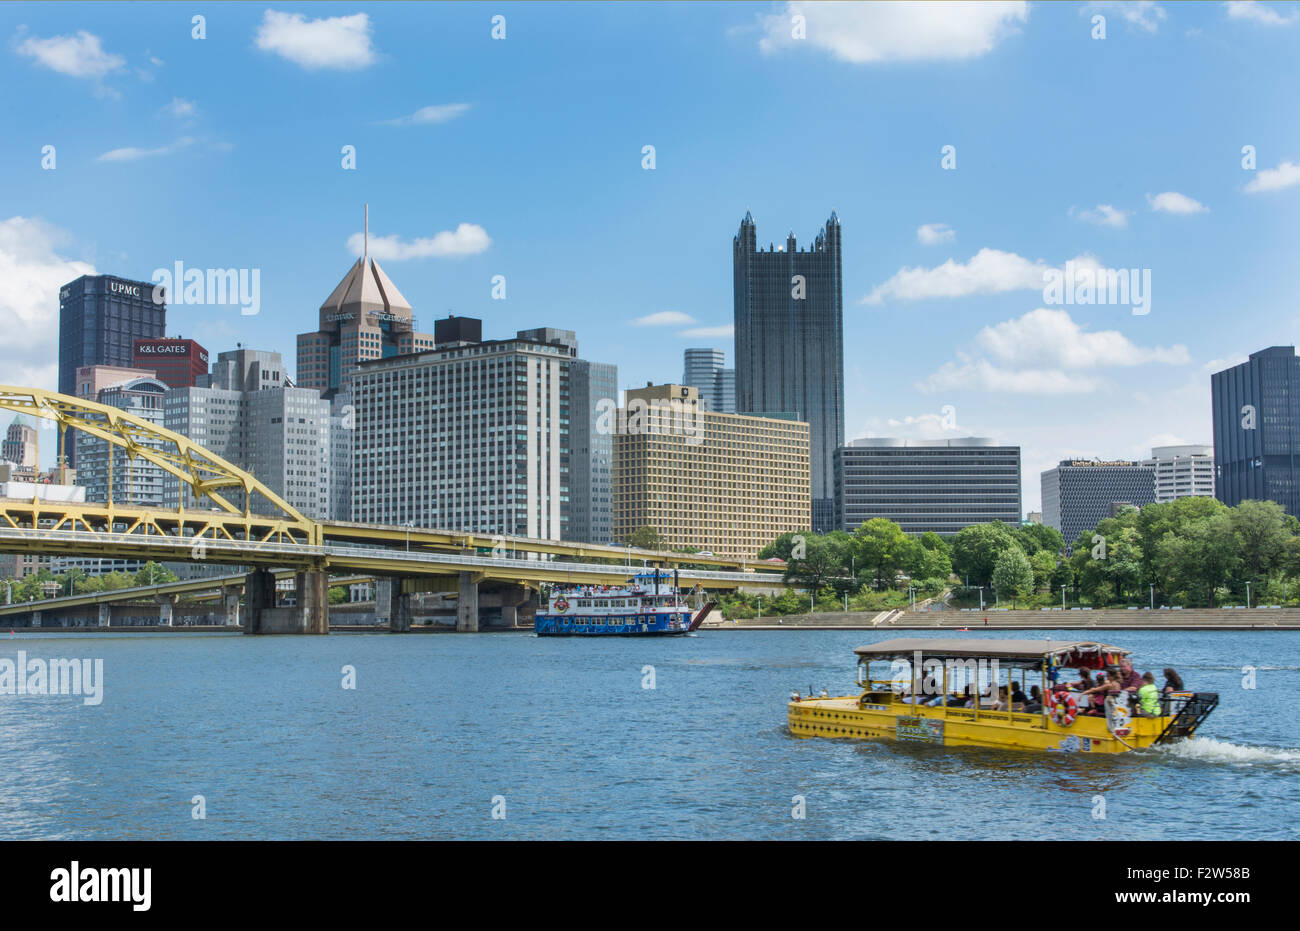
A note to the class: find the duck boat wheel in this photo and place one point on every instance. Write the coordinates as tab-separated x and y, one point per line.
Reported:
963	693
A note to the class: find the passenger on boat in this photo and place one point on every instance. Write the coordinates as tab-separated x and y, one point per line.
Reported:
960	701
1035	702
1129	678
1148	696
1109	685
1017	696
1173	681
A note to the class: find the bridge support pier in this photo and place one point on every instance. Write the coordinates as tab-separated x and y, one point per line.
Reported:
392	605
105	615
165	614
467	604
231	601
310	615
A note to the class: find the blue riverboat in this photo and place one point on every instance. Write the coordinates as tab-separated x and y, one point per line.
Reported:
648	605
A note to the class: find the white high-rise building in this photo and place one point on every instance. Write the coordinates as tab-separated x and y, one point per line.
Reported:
1183	471
289	438
472	435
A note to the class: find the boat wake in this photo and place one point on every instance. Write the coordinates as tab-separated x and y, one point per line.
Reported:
1209	750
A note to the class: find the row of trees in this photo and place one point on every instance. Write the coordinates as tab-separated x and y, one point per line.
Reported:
35	586
1194	551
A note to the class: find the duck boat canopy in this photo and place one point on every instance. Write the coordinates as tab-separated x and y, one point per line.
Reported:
1068	654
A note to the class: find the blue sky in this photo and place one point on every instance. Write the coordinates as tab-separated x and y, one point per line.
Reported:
522	157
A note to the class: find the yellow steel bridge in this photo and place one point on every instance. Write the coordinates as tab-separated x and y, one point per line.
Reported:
260	529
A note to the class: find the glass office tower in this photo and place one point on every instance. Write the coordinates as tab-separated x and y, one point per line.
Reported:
789	322
1256	409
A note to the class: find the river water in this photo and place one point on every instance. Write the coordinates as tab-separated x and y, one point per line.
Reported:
509	736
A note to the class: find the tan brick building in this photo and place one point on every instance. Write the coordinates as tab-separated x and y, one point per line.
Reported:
725	483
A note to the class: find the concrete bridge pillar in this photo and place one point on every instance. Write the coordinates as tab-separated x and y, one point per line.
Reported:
105	615
392	606
310	615
231	601
467	604
165	614
36	618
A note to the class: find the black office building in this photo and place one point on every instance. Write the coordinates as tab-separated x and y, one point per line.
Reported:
100	318
1256	407
789	317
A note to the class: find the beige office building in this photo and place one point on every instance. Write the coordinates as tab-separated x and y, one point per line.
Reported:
728	484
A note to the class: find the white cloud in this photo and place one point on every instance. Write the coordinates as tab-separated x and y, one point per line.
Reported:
1103	215
709	332
1044	352
664	318
181	109
439	113
1284	175
466	239
879	32
1257	13
1173	202
79	56
1144	14
131	154
31	273
990	271
932	234
1226	362
1050	338
337	42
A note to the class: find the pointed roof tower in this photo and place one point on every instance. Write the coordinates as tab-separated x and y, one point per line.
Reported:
365	289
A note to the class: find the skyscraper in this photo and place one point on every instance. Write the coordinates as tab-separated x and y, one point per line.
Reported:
789	333
100	318
1256	407
703	369
591	454
364	318
290	438
469	436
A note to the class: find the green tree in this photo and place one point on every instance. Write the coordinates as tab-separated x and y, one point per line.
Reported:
337	594
976	548
151	573
1036	538
1012	575
1261	534
645	538
1199	559
881	548
818	565
1043	564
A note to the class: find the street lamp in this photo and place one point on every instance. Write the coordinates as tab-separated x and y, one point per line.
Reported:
1153	596
1247	594
1062	597
409	525
981	588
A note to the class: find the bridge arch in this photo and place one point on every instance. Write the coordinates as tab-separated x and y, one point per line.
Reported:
203	471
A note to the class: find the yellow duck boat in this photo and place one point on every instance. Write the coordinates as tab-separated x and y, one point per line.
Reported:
917	702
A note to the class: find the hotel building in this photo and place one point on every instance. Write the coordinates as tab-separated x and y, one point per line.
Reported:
728	484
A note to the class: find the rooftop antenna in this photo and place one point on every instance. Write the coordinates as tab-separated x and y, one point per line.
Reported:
365	248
